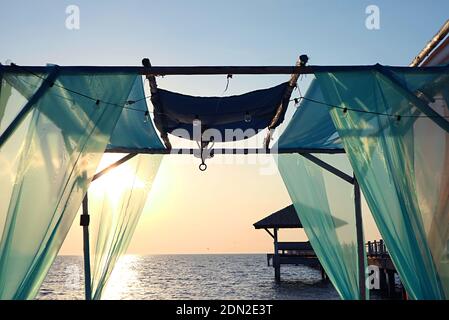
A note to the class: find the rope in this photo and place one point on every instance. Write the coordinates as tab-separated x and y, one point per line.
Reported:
228	77
346	109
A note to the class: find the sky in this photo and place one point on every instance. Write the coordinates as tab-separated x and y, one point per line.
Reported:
189	211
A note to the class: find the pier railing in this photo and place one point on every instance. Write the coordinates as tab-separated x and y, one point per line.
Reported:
376	248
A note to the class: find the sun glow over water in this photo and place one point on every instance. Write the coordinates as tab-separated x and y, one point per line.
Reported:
115	182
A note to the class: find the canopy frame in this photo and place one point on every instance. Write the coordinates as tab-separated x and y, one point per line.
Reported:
151	71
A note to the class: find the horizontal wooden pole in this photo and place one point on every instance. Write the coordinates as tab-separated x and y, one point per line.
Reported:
210	70
230	151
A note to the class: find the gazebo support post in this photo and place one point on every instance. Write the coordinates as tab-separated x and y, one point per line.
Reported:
84	222
276	262
360	242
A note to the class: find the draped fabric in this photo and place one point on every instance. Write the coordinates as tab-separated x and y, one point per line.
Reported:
15	91
134	128
46	166
253	110
325	206
311	126
402	163
116	201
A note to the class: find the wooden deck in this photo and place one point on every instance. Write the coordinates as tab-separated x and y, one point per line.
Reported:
295	253
378	255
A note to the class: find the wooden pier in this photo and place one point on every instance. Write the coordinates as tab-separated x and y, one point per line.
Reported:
377	255
302	253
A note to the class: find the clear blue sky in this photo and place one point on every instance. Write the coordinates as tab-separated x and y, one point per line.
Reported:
216	32
201	32
231	32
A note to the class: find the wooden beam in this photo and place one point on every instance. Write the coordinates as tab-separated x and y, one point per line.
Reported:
210	70
269	232
329	168
226	151
440	35
114	165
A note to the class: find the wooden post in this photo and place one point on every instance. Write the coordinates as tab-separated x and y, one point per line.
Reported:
276	264
84	222
323	273
383	280
404	292
391	283
159	122
284	103
360	242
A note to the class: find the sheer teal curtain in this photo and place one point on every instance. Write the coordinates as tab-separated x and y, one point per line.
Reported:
310	127
325	206
15	91
134	129
402	164
116	201
46	166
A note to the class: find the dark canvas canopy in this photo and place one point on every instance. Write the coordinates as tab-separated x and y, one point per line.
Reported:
252	110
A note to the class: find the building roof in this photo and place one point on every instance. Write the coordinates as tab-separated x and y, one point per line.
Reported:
284	218
439	56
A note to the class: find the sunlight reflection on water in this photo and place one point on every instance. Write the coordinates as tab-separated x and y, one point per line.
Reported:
190	277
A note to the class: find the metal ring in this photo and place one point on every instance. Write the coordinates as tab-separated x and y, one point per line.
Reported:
203	167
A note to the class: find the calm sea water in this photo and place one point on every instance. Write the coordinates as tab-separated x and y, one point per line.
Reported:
190	277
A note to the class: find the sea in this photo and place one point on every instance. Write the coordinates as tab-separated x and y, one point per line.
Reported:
200	276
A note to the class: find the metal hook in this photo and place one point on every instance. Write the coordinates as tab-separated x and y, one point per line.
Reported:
202	166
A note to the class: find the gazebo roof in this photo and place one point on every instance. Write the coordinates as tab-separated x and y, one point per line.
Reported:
287	218
284	218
